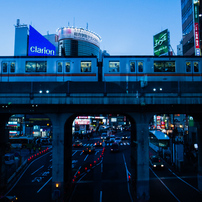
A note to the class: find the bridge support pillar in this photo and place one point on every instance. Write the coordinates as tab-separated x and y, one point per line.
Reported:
140	154
4	137
61	154
198	119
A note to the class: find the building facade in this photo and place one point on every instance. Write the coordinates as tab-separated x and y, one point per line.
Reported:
191	25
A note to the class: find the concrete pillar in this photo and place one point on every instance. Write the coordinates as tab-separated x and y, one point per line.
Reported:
198	121
4	137
140	153
61	152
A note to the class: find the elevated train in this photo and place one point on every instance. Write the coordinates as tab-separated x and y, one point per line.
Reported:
110	69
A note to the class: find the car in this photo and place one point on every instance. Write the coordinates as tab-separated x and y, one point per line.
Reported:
125	137
117	140
112	138
156	162
89	149
114	147
77	143
98	144
103	136
9	198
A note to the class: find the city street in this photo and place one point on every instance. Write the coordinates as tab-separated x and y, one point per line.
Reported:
105	180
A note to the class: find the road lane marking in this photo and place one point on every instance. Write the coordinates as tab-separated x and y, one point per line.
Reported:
81	153
101	167
127	172
25	171
164	185
100	196
86	157
183	180
74	153
37	170
44	185
77	171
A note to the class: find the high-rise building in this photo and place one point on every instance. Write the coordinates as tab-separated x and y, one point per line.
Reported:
191	11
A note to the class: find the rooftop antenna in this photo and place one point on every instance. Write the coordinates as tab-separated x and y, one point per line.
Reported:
18	22
87	26
68	24
74	22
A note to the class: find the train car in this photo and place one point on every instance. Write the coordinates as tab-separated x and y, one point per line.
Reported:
151	68
48	69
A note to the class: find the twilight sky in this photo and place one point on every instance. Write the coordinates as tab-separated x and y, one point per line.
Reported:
125	26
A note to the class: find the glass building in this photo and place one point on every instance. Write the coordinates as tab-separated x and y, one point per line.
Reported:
78	42
191	11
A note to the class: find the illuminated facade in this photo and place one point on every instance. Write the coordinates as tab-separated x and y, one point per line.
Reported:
68	42
78	42
191	11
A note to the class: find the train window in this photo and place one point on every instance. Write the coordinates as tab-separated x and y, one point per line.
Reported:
140	66
132	66
41	66
4	64
36	66
196	67
114	66
85	66
188	66
164	66
12	67
59	66
67	66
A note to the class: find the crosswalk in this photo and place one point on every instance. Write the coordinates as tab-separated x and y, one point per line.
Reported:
106	144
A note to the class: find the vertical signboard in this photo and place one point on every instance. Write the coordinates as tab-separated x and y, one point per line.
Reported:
196	28
161	43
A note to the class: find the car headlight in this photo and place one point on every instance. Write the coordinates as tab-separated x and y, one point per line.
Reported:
162	165
155	166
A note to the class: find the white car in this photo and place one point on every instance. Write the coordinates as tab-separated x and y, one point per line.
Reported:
117	140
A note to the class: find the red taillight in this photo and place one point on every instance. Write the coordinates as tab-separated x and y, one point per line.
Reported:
159	161
79	172
86	168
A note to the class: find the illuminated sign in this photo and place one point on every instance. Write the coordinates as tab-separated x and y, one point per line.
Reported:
196	29
161	43
38	45
79	34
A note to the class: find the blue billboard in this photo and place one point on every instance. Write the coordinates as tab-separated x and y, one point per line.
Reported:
38	45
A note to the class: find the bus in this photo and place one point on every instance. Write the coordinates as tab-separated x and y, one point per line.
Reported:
22	142
158	139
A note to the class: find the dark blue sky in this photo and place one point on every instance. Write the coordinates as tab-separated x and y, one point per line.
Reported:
125	26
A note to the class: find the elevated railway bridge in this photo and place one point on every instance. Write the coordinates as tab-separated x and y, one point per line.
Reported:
63	101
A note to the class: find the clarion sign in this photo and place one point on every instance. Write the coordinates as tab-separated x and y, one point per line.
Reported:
35	49
39	45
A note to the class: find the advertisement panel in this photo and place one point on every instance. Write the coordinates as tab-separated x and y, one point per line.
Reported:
39	45
161	43
196	28
79	34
